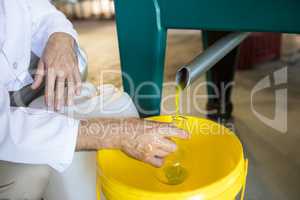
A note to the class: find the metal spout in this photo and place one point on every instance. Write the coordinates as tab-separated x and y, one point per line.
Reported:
187	74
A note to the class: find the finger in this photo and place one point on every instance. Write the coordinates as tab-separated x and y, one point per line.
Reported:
161	153
152	124
171	131
49	90
59	92
77	79
71	90
39	75
167	145
155	161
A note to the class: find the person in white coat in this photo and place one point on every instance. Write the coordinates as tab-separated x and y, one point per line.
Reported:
31	139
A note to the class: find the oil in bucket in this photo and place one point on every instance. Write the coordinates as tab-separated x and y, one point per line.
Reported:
173	172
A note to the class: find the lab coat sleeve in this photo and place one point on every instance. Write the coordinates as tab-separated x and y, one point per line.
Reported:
35	136
46	20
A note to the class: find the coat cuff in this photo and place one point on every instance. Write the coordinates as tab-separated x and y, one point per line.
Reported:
67	152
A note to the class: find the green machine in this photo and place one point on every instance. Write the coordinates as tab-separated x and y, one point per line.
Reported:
142	27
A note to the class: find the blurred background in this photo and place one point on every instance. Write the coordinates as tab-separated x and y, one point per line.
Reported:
86	9
94	20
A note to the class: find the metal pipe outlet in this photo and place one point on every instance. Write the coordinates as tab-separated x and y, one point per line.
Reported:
187	74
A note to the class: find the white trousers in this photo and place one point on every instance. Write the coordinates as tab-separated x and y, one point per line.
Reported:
33	182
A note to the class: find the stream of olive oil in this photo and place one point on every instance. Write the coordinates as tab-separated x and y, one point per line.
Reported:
174	172
177	98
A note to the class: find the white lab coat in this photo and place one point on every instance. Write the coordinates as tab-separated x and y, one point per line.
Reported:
27	135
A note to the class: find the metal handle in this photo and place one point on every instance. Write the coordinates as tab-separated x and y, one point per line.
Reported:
202	63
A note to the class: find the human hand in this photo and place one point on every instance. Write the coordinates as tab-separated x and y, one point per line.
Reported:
59	66
143	140
150	142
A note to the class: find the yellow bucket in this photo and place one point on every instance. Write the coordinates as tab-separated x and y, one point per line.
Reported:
213	159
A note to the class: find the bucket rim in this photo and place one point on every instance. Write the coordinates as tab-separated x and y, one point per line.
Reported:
227	181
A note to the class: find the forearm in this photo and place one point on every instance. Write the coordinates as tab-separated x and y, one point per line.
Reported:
141	139
97	134
46	20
